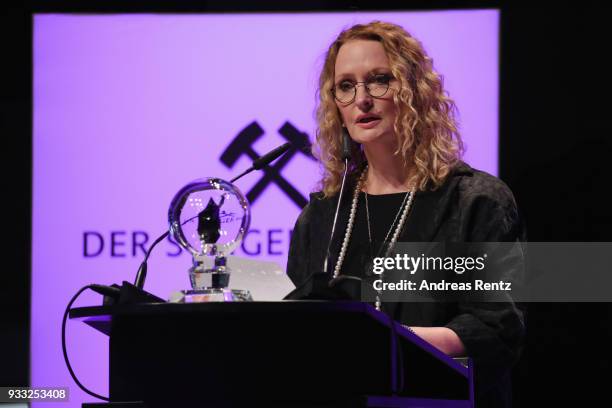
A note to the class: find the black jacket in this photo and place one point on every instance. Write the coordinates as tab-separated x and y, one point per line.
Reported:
471	206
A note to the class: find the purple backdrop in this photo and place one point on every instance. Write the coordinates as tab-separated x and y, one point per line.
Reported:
129	108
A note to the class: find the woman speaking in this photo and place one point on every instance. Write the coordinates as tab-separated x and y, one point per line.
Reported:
406	183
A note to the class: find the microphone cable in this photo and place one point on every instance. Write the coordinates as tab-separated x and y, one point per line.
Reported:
104	290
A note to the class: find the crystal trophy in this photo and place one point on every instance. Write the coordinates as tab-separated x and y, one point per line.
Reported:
209	218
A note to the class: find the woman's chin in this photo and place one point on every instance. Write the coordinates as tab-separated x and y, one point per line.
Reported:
372	136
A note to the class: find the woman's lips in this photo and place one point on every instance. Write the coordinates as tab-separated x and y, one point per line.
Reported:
368	125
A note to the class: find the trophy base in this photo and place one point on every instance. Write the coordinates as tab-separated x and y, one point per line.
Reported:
215	295
207	278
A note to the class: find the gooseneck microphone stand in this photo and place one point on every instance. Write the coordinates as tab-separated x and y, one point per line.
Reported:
320	285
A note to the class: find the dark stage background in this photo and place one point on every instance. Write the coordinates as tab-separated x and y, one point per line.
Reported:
555	152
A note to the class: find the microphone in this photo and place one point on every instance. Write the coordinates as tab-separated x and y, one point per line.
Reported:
346	156
264	160
346	145
258	164
269	157
318	285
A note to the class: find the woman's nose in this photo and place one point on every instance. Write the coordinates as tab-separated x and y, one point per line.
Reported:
362	98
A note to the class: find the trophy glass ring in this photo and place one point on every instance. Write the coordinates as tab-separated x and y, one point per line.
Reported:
209	218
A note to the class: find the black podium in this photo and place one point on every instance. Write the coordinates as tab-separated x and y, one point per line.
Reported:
271	354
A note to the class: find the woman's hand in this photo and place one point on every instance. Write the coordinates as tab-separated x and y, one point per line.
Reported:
442	338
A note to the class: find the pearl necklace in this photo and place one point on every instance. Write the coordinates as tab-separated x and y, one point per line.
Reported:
399	212
351	221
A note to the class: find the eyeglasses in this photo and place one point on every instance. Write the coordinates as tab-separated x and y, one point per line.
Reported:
376	86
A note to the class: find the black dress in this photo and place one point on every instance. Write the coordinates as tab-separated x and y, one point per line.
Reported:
471	206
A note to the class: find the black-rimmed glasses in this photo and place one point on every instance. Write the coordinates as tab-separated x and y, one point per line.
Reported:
376	86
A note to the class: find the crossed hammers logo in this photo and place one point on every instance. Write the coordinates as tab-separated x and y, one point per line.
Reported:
243	145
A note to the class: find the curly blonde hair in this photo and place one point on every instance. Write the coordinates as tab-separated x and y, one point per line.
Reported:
425	126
